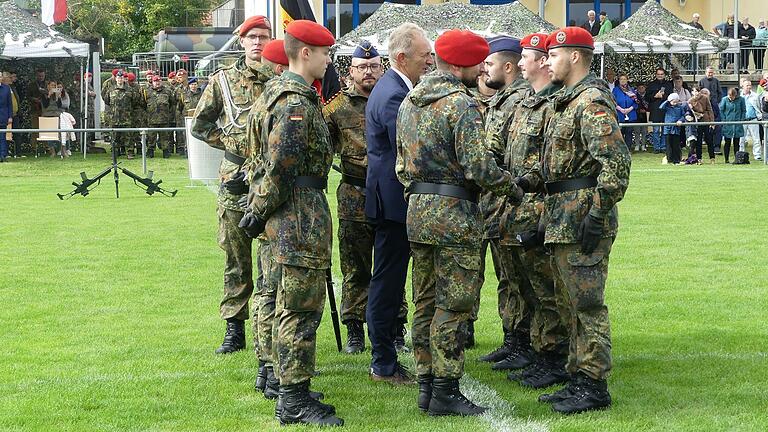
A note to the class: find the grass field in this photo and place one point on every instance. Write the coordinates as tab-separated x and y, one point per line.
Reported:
109	313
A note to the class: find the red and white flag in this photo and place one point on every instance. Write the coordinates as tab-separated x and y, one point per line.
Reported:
53	11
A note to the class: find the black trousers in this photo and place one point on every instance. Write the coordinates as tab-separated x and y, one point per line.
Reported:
727	149
673	148
704	133
759	56
391	252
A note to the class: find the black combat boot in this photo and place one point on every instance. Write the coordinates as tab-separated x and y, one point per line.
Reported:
425	391
355	337
234	338
400	333
448	400
330	409
299	407
271	383
586	394
547	370
470	342
501	352
261	377
559	395
151	153
519	357
166	154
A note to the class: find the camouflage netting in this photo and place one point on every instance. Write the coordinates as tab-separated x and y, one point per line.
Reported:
25	36
511	19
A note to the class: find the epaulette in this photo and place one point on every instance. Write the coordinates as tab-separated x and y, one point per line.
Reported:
333	103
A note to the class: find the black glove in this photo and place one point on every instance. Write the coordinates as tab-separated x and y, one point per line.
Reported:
530	240
252	225
591	232
516	197
524	184
236	185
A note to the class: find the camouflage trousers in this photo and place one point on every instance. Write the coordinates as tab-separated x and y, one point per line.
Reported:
511	308
580	287
300	302
446	283
180	136
162	140
531	281
264	299
238	279
355	254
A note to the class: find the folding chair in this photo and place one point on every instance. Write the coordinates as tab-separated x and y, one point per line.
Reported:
48	123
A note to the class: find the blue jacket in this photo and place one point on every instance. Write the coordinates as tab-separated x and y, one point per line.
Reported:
625	101
6	105
733	110
673	114
384	197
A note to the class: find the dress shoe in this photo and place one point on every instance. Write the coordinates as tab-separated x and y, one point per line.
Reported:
401	376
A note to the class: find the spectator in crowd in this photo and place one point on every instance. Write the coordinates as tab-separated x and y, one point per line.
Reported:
674	112
759	44
605	24
681	88
592	25
657	92
732	108
753	112
626	107
764	109
642	117
6	112
726	29
746	36
712	84
17	97
695	22
717	133
35	92
701	107
610	78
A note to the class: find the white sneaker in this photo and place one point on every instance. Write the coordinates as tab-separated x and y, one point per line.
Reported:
691	138
664	160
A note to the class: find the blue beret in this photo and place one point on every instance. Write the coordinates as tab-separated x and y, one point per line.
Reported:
192	80
365	51
504	43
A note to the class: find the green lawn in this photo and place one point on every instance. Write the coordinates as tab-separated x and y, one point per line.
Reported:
110	313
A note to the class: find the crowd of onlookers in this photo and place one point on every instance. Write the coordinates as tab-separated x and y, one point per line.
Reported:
675	101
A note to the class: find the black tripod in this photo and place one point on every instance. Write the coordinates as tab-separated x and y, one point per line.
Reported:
85	188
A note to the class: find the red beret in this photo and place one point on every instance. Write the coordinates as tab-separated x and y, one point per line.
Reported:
573	37
156	78
274	51
310	32
535	41
114	72
256	21
461	48
172	75
181	72
131	76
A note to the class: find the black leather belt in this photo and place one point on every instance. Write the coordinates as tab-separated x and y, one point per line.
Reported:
235	159
444	190
570	185
354	181
311	182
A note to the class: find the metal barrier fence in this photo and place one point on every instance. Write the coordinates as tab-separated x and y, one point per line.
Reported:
197	63
749	61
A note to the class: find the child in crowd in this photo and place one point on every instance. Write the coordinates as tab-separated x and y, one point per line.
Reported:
674	112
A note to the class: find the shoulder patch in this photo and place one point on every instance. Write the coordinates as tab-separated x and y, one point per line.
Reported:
333	104
293	100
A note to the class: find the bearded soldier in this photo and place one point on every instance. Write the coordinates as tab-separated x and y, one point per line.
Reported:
220	120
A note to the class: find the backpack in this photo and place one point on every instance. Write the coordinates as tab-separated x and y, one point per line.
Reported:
742	158
692	160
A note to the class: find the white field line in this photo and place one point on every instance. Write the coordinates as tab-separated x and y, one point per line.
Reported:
500	415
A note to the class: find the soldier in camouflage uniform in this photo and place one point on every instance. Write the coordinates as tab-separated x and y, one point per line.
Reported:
161	110
190	98
443	163
121	100
220	120
504	76
137	115
585	167
528	265
289	205
483	94
182	87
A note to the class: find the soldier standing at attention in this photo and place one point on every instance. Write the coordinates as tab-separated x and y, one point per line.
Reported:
122	100
161	110
345	115
182	86
137	115
585	166
289	205
522	243
443	162
220	120
504	76
191	97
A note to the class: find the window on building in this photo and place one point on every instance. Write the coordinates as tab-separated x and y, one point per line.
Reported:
354	12
577	11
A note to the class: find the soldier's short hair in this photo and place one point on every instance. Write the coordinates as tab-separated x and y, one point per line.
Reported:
510	57
402	37
293	46
586	55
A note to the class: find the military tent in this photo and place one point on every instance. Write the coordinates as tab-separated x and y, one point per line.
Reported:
26	37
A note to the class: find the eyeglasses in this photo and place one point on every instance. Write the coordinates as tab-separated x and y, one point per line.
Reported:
364	67
254	38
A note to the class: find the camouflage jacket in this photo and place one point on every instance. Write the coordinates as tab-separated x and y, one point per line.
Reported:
499	115
299	225
440	139
139	112
522	155
582	139
345	115
121	101
213	125
189	101
482	100
161	104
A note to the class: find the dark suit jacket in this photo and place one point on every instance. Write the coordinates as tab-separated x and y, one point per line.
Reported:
594	29
383	192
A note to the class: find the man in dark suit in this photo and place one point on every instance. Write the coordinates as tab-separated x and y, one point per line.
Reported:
385	206
592	25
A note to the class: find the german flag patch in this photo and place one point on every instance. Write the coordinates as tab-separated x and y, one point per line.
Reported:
296	117
600	114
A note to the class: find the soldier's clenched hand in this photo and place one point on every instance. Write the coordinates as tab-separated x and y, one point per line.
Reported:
236	185
252	225
517	193
591	231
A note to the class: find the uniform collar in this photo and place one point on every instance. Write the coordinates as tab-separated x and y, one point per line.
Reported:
515	86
